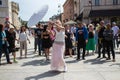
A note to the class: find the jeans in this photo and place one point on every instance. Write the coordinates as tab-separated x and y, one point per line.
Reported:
6	51
39	46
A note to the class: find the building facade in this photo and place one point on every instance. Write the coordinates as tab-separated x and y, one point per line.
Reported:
92	11
5	10
9	10
68	9
15	13
97	10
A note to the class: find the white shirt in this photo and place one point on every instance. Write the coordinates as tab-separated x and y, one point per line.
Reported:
60	36
115	30
23	36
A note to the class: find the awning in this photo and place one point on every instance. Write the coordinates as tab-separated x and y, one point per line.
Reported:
104	13
80	16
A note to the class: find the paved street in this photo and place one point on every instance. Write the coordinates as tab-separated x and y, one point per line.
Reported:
36	68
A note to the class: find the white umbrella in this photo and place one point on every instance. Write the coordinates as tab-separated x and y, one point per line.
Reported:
70	22
36	17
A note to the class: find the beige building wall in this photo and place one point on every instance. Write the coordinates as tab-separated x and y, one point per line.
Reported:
15	12
4	11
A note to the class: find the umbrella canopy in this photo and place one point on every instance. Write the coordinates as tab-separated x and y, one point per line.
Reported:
70	22
36	17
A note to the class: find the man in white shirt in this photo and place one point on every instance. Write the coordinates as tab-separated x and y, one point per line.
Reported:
115	29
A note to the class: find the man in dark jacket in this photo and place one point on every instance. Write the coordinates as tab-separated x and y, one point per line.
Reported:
81	39
101	40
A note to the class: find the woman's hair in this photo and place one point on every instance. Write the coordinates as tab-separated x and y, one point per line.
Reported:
45	27
1	27
22	28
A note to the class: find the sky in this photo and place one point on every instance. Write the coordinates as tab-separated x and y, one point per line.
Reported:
28	7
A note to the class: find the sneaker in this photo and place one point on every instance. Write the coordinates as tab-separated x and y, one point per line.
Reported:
65	69
15	61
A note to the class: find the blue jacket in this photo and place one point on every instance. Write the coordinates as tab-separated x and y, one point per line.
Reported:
0	39
85	32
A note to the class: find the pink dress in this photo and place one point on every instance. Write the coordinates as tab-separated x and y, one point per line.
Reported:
57	60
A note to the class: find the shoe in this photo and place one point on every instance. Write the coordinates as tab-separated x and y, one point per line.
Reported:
83	58
113	60
98	57
39	54
108	58
15	61
9	62
104	57
65	69
78	59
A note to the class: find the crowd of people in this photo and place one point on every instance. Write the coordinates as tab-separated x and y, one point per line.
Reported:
64	40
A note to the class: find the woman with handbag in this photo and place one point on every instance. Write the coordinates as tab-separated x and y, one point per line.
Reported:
11	37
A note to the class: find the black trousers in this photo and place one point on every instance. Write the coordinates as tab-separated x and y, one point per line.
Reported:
110	47
101	48
6	51
83	47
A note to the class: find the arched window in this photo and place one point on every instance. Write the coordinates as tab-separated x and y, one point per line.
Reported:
0	2
115	2
97	2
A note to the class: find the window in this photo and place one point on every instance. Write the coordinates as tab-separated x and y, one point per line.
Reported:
115	2
0	2
97	2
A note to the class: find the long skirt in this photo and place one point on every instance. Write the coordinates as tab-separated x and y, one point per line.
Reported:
91	44
57	59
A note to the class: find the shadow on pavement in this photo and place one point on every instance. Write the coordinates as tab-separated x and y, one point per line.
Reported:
96	61
118	64
72	61
36	63
44	75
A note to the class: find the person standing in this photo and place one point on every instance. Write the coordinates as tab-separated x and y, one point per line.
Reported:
68	40
108	38
101	47
81	39
115	29
57	60
38	33
3	45
46	41
23	37
11	37
91	42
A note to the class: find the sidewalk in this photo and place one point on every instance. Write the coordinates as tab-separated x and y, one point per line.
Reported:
36	68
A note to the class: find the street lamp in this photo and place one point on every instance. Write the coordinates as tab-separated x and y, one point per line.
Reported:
90	2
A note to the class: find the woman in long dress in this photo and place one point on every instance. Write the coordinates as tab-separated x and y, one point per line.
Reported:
91	42
57	60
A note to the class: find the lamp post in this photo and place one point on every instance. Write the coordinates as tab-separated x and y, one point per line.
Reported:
90	2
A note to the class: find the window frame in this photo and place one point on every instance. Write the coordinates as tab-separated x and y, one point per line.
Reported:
115	2
97	2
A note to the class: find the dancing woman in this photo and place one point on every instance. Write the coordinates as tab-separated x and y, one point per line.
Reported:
57	60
